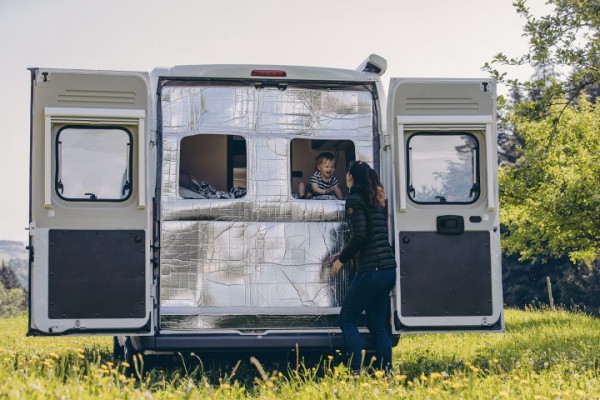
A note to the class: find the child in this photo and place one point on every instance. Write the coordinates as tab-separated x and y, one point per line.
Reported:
322	182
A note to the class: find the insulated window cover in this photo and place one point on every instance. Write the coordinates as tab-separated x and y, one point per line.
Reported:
96	274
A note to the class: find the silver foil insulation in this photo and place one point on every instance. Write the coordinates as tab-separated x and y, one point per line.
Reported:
260	261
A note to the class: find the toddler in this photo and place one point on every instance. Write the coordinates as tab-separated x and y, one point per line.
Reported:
322	182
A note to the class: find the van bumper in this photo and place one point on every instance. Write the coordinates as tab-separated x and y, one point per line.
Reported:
239	342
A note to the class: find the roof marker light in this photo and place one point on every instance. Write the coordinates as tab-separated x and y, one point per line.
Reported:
268	72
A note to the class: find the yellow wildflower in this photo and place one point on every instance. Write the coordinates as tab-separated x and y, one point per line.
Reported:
435	375
474	369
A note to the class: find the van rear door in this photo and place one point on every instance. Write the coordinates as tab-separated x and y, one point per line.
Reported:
90	269
445	211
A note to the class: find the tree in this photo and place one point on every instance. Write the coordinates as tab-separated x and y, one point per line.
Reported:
12	302
8	278
551	197
549	137
567	40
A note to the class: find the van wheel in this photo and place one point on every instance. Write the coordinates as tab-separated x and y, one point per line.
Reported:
123	352
128	351
118	351
123	349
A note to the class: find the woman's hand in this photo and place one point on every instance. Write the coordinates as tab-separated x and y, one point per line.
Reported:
337	265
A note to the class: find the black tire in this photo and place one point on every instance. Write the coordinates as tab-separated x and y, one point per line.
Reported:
123	352
128	351
118	352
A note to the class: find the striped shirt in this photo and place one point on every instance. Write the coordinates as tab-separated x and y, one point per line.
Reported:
316	178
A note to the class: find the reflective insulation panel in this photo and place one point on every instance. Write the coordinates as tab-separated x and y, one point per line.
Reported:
261	260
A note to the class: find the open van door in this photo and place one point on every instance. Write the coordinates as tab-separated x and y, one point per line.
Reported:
447	228
90	260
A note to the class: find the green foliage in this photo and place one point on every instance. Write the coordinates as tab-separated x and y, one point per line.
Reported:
16	256
550	198
12	302
564	41
525	284
12	296
549	155
580	286
573	285
8	278
21	269
543	354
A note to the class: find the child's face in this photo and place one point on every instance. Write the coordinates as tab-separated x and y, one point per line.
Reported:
326	168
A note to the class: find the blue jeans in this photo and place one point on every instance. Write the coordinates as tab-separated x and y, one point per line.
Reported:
370	292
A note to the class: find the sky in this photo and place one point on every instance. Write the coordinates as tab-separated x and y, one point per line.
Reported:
419	38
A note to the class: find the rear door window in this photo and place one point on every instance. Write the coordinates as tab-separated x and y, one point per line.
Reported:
93	163
443	168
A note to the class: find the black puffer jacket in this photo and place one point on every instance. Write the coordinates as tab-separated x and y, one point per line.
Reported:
368	234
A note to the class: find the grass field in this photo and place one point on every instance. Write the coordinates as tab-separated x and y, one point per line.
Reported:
543	355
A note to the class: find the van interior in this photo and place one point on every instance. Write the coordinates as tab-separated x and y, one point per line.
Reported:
215	166
305	151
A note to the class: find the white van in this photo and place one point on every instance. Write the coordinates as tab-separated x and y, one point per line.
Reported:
164	207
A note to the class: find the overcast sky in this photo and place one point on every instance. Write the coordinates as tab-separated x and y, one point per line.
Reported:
432	38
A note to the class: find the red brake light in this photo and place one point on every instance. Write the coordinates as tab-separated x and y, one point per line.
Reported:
268	72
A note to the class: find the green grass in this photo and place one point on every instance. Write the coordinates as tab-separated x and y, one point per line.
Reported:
543	355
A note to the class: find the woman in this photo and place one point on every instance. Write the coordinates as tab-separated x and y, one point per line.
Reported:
376	271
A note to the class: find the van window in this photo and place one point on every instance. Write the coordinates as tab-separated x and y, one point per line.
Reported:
212	167
443	168
93	163
304	154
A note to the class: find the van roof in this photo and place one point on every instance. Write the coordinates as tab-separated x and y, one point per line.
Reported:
242	71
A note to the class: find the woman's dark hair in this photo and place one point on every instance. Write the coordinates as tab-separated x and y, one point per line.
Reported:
365	176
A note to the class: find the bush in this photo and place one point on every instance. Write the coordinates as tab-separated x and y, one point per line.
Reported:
12	302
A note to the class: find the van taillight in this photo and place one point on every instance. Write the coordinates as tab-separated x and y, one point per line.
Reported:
268	72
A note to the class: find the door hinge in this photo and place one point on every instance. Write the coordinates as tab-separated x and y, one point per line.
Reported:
31	252
386	141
